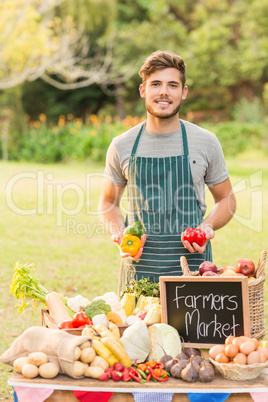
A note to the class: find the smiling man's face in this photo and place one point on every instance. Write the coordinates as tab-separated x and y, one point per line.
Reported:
163	93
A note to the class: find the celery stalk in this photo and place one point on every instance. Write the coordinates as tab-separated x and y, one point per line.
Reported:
24	286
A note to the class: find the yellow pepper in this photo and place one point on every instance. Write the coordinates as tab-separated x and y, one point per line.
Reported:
130	244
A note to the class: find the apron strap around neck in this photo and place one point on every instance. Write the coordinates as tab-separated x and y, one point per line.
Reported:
136	143
184	139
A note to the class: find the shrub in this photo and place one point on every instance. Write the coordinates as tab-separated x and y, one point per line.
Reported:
238	137
77	140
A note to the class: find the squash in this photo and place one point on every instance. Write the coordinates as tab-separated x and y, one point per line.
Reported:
57	308
136	342
115	318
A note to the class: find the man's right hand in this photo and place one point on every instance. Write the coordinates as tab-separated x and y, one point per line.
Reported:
117	238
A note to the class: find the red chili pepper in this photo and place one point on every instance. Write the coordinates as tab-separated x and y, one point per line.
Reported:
148	377
195	235
135	372
135	375
158	365
156	377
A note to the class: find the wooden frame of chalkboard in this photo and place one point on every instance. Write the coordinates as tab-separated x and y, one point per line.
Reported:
205	310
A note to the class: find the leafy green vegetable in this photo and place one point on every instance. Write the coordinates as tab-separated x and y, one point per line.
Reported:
24	286
97	307
142	287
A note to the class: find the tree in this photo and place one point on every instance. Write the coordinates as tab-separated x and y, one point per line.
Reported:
41	41
37	44
28	41
224	44
227	47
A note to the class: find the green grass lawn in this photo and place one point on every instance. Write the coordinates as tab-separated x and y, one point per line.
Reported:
49	218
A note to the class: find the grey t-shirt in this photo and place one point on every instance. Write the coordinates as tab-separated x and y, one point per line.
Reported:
206	155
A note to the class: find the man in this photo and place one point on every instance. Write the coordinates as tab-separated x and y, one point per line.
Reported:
165	163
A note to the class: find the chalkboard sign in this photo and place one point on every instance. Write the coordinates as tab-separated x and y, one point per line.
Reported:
205	310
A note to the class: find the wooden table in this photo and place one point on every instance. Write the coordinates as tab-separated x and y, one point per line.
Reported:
64	385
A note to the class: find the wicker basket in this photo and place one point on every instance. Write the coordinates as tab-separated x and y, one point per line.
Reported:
256	300
239	372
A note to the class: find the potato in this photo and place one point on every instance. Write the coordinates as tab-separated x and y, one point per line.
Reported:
37	358
29	370
79	368
49	370
87	355
100	362
77	353
94	372
19	363
85	345
86	365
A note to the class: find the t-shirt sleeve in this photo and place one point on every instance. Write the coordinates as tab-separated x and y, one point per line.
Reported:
113	171
217	170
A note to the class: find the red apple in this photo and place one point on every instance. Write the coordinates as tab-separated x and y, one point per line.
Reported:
210	273
245	267
207	266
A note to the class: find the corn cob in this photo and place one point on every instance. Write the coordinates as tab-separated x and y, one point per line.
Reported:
154	315
128	303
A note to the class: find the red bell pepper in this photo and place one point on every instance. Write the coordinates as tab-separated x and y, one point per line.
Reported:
195	235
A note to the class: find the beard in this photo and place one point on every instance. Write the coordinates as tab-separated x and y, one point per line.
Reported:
162	115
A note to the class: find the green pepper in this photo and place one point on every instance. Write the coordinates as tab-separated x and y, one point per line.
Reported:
136	229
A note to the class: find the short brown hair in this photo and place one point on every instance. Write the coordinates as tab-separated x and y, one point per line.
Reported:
160	60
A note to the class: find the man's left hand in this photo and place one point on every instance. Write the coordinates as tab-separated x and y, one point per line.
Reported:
194	246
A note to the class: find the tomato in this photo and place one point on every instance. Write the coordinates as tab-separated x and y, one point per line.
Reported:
66	324
194	235
80	319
